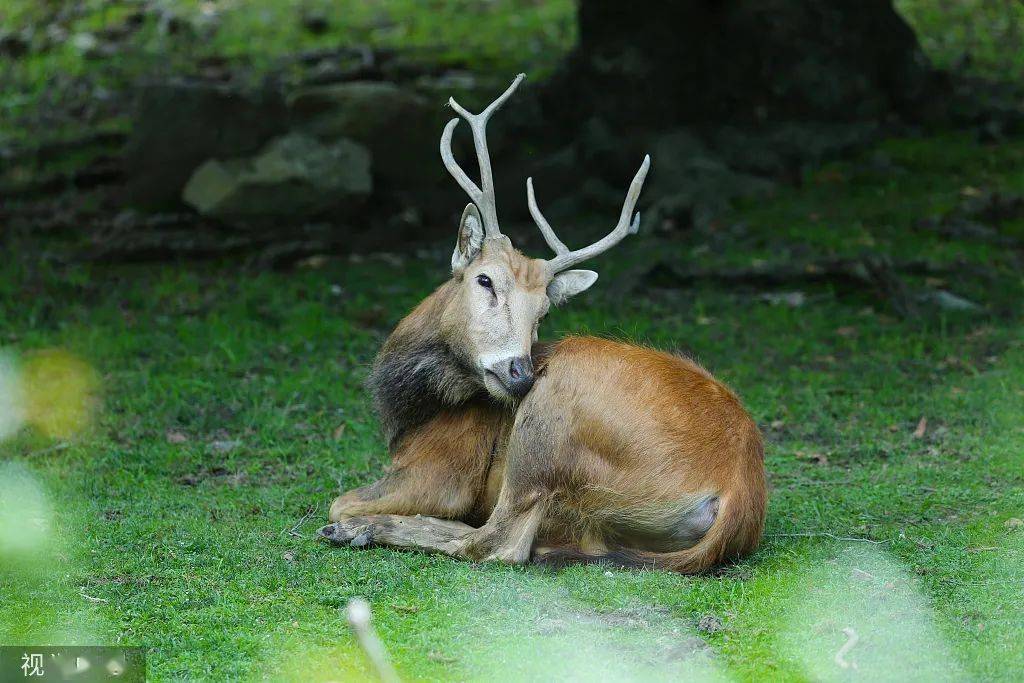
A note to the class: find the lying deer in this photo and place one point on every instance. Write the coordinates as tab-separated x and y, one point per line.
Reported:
583	450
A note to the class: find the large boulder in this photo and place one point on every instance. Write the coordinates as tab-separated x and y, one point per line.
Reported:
399	127
294	178
691	185
178	125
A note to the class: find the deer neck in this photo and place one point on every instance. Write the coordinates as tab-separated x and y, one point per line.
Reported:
417	373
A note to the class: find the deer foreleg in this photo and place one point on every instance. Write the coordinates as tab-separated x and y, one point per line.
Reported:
426	534
507	537
424	489
510	531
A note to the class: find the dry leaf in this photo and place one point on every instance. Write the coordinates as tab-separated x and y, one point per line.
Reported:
847	331
1014	523
440	657
223	445
408	609
339	431
862	575
174	436
922	427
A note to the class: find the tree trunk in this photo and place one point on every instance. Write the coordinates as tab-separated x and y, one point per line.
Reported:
664	64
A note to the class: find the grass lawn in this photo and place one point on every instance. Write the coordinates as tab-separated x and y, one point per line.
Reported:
229	410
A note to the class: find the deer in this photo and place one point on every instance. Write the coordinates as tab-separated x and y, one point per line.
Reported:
583	450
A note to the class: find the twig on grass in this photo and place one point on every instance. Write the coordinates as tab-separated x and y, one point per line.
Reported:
92	599
826	534
50	449
294	530
851	640
358	613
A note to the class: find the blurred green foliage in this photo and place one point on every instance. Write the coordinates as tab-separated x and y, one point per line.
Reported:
983	37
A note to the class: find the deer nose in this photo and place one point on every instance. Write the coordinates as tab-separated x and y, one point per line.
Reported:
520	376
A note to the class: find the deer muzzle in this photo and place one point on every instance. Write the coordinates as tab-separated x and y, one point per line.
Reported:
515	375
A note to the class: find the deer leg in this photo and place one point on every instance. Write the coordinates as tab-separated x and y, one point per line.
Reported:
509	533
507	536
426	534
421	488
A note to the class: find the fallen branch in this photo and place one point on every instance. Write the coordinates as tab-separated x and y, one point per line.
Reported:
826	534
873	272
294	530
851	640
103	170
92	599
51	151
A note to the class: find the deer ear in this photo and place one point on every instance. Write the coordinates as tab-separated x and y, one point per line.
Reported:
471	238
569	283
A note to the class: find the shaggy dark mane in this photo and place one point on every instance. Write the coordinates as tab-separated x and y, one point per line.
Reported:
410	385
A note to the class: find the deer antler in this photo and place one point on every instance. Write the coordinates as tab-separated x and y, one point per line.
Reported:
483	198
564	257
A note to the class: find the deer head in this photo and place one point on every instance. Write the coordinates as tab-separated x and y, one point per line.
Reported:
501	295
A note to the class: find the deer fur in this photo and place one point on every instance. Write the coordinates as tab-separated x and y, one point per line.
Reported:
583	450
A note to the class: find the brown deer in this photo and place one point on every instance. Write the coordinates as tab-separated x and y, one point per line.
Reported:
583	450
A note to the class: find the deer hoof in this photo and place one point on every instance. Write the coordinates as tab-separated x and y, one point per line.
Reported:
355	535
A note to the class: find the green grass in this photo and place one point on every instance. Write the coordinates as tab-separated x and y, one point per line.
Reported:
121	535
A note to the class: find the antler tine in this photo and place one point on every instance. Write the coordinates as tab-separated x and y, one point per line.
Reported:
565	258
482	196
545	228
464	181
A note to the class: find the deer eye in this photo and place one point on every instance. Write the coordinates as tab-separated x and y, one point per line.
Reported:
484	281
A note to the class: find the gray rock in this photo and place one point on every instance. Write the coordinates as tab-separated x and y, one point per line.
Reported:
691	184
294	177
179	125
14	44
949	301
783	148
399	127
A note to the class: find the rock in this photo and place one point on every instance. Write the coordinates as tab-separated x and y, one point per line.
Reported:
782	149
399	127
179	125
315	22
691	184
949	301
710	623
790	299
294	177
13	44
749	152
85	42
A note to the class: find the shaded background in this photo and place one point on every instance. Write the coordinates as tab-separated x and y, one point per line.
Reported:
280	130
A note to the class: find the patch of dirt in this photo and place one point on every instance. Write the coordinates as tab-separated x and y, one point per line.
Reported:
686	648
710	623
218	475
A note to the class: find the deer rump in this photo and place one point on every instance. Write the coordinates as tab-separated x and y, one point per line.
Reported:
618	454
590	450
